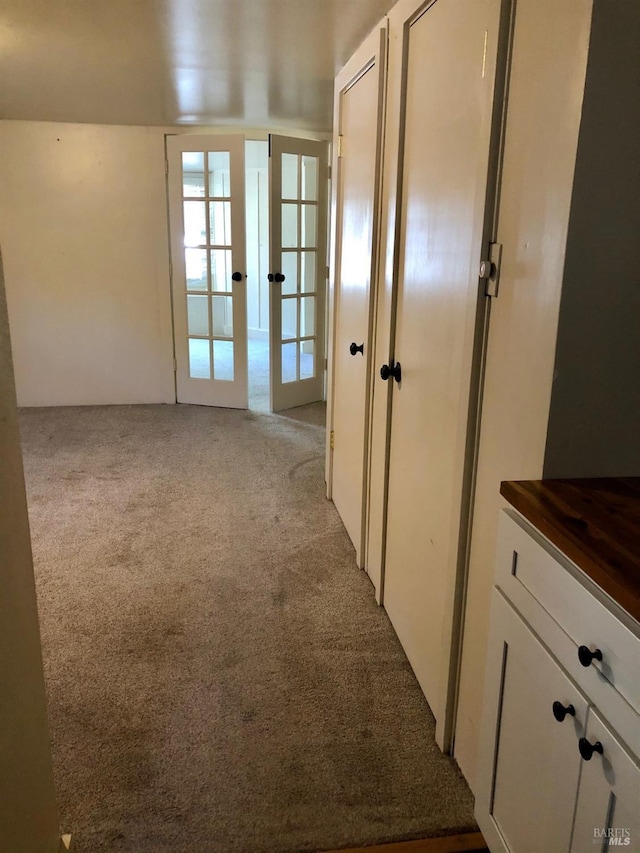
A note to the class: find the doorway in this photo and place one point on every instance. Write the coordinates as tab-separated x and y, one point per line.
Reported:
247	221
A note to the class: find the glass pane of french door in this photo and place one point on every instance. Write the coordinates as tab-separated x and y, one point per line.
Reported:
298	211
207	224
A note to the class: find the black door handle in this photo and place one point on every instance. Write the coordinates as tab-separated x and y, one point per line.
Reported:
587	749
278	276
560	711
392	369
354	348
585	655
237	276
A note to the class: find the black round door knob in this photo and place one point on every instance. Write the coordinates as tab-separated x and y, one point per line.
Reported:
388	370
587	749
354	348
585	655
270	276
279	277
560	711
237	276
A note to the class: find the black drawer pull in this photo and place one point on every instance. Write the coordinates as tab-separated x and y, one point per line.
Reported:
354	348
585	655
587	749
560	711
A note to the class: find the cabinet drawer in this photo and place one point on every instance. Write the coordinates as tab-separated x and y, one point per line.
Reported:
533	572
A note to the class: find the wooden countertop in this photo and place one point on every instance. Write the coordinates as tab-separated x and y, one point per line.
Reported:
596	523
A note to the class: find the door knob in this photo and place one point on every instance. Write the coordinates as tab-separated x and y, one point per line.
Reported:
392	369
560	711
270	276
237	276
585	655
587	749
278	277
354	348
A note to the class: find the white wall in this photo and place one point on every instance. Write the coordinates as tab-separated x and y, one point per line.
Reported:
83	229
28	813
545	101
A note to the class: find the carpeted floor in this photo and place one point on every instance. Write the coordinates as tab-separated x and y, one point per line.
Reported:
220	679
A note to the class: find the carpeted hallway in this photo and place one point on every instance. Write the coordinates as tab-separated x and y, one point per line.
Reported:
220	679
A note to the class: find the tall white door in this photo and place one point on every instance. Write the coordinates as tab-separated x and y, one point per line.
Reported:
359	114
207	224
298	271
451	51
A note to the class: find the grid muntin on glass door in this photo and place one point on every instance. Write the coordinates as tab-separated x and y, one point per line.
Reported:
206	203
299	246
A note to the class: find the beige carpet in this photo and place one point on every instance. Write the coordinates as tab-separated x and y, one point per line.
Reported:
220	678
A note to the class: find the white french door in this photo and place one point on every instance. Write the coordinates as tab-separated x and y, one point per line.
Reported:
207	226
298	272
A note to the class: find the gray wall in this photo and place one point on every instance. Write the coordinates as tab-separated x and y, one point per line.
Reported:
594	423
28	814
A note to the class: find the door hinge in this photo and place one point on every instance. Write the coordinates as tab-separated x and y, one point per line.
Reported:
166	167
331	439
340	145
328	273
171	270
489	269
329	172
175	366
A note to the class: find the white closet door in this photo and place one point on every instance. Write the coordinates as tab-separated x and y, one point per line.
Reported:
359	112
207	223
298	264
451	51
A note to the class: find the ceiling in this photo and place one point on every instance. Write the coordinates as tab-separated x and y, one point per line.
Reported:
258	63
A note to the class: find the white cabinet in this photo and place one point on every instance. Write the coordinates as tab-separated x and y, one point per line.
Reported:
559	770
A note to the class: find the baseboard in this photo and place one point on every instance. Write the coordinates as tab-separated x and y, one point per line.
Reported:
65	844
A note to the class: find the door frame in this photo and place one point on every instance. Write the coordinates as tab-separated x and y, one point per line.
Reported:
400	19
373	51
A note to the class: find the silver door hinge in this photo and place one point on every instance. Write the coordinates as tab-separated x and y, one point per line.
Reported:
489	269
340	145
331	438
329	172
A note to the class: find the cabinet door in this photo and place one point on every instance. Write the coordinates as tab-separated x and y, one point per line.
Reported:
608	804
530	767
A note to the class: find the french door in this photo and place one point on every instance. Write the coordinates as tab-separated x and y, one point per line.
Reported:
207	224
297	280
206	178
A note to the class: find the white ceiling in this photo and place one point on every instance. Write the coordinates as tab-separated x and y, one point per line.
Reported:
253	63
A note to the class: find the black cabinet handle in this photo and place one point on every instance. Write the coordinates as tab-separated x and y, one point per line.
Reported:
392	369
237	276
585	655
587	749
354	348
560	711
